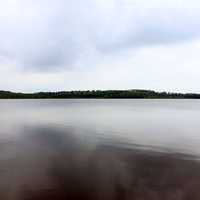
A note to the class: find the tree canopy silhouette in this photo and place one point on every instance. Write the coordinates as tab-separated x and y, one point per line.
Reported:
142	94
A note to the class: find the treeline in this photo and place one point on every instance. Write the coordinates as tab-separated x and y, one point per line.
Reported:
143	94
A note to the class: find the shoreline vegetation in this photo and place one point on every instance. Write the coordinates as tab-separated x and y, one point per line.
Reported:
99	94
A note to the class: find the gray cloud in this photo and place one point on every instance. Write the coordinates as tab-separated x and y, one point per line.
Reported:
51	35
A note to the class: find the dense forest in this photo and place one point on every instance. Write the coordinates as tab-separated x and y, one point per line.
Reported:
144	94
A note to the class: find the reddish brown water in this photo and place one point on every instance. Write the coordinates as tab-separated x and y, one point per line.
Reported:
59	150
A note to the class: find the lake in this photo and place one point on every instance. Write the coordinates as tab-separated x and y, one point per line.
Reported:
100	149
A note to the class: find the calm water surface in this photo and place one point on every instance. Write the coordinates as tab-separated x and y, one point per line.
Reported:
99	149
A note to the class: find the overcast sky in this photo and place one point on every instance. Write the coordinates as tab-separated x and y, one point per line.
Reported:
50	45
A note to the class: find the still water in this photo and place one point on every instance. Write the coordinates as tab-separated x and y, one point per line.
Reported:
99	149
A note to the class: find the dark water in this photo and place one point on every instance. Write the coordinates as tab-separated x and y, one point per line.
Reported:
99	149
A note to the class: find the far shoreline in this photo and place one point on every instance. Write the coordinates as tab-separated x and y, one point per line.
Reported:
99	94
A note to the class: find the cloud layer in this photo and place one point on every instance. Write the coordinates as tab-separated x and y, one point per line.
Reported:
46	36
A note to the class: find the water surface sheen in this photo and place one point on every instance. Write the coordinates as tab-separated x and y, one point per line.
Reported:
99	149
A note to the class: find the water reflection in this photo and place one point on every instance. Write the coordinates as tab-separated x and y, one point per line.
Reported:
47	162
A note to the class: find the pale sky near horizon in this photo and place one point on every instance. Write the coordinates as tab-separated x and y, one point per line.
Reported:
51	45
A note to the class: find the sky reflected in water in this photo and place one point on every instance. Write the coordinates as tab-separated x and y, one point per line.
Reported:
99	149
